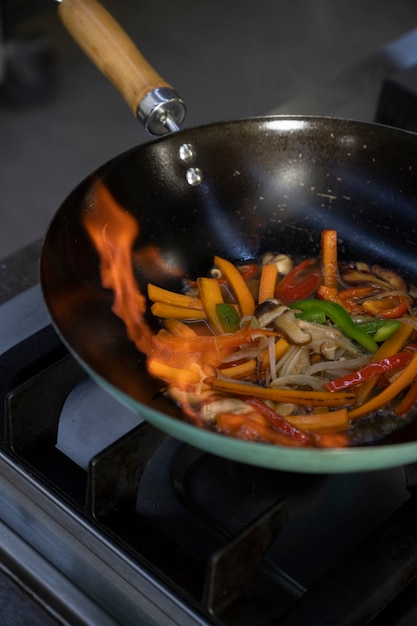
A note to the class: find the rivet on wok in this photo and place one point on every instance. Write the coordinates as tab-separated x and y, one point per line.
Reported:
187	152
194	176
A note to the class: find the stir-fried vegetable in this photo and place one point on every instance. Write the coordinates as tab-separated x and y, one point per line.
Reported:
286	352
301	282
389	364
339	317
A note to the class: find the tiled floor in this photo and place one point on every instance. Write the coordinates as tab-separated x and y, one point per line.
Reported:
227	59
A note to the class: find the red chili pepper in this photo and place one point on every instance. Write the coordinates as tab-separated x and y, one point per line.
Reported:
349	299
248	270
300	283
389	308
279	422
388	364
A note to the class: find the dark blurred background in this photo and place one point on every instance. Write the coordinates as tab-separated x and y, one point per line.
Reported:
60	119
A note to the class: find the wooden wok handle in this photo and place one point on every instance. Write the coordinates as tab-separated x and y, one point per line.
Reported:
109	47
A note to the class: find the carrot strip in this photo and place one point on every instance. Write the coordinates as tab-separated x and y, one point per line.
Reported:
329	258
391	346
237	284
331	421
305	398
247	368
329	261
166	311
158	294
179	376
210	296
389	393
330	294
267	282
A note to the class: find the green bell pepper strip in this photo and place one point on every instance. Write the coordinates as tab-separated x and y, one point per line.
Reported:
339	316
387	329
379	329
228	316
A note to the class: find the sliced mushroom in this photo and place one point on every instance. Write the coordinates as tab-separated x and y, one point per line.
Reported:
393	279
229	405
288	325
353	276
328	350
283	262
377	275
266	312
274	313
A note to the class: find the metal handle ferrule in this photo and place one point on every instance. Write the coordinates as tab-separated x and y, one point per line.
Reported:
161	111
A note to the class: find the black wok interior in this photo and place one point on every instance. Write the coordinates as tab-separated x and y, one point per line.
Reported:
269	184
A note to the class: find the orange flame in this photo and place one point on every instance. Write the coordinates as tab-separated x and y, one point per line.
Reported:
184	365
113	231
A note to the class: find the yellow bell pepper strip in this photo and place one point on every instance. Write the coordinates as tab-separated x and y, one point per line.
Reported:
167	311
326	422
237	284
228	316
278	421
371	370
267	282
158	294
174	375
392	345
295	396
302	281
405	378
242	370
339	317
329	264
210	296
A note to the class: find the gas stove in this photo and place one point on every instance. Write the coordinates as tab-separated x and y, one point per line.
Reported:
132	526
126	525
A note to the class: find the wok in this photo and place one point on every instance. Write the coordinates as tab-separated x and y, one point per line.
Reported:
268	183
